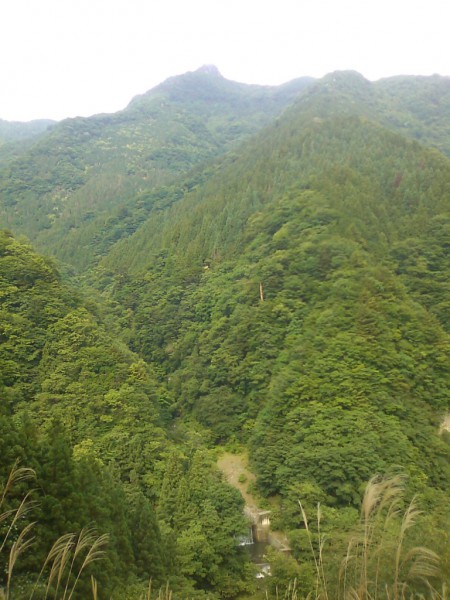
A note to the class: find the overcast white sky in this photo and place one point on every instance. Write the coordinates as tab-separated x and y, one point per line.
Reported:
61	58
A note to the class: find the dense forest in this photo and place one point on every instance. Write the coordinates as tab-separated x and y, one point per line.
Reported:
262	270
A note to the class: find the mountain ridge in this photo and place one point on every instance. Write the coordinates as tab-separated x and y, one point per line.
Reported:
86	166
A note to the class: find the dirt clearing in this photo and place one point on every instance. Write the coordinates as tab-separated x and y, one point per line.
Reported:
235	468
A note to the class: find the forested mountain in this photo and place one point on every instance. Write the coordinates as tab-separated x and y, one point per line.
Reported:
86	171
271	272
419	107
298	300
94	179
308	274
17	138
416	107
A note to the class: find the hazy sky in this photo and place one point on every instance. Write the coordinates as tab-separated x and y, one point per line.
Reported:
61	58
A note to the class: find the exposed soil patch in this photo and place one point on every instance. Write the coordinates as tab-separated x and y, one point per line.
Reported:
235	468
445	426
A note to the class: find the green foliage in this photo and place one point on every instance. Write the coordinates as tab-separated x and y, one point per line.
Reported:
290	295
85	172
205	517
66	560
70	495
290	321
57	361
81	385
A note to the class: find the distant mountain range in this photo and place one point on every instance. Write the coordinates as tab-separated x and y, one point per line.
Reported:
84	168
86	171
12	131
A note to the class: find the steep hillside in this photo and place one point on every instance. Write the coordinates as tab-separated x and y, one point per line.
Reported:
61	191
91	418
59	362
52	348
416	107
86	183
337	95
298	300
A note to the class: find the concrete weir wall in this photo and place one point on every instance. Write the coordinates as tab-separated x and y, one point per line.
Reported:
261	527
260	523
260	520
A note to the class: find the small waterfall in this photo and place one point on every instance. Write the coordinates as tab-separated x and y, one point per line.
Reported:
246	540
257	552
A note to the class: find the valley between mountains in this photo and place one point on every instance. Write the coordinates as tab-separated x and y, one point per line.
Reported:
226	292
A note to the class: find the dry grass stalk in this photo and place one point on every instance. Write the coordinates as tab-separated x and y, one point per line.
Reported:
291	592
22	543
163	593
68	551
87	540
16	475
18	548
377	566
381	509
58	558
321	583
62	561
94	588
24	508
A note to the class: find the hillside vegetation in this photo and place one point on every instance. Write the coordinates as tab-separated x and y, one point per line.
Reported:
91	418
71	186
265	269
306	280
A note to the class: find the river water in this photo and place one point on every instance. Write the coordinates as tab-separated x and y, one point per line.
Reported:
257	552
